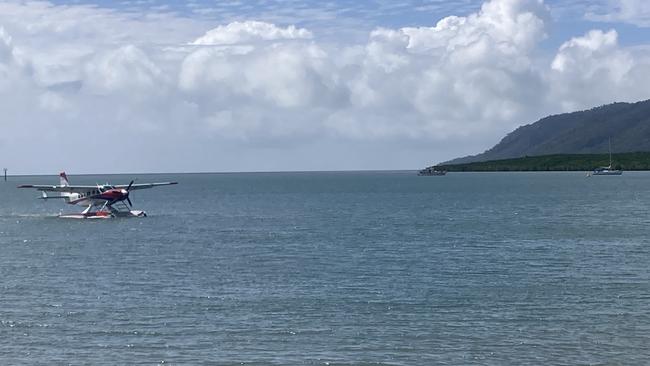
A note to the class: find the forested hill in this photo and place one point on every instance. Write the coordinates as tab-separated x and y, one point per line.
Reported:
584	132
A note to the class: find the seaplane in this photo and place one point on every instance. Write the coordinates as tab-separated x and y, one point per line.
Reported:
101	201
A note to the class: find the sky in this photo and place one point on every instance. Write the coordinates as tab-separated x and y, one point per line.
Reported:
295	85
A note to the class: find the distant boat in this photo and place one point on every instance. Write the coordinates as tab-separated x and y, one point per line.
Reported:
607	170
431	171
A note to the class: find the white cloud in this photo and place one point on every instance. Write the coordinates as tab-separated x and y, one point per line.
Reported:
398	85
635	12
6	60
461	77
126	70
596	46
387	50
268	92
511	25
591	69
6	50
250	31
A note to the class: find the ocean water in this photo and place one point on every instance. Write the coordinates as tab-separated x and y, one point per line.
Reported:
354	268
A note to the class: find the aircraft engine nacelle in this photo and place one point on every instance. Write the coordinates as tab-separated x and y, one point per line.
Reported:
73	196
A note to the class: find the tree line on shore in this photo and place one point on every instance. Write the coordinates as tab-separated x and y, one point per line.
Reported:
556	162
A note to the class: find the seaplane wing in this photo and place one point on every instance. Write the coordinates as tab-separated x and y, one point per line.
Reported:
85	189
143	185
60	188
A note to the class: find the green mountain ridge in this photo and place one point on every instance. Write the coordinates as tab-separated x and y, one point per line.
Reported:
627	125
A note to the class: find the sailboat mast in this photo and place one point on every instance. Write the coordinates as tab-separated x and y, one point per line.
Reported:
610	152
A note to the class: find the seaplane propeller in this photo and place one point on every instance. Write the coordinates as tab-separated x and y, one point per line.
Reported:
127	193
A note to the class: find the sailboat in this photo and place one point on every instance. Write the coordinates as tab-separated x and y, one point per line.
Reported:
607	170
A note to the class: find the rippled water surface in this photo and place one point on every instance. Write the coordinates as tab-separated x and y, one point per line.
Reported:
333	268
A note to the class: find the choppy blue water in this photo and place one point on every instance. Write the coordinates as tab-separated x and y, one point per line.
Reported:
333	268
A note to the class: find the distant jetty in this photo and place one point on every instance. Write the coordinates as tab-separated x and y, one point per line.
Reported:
556	162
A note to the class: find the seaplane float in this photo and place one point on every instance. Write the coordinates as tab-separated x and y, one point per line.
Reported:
101	201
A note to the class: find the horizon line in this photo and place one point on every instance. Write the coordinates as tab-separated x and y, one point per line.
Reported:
218	172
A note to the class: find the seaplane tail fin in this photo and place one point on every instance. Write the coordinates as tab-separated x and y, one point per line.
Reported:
63	179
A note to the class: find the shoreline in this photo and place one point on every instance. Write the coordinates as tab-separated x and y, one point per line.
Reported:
633	161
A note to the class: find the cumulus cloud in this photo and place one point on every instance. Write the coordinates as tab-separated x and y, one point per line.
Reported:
462	76
581	49
588	70
126	70
273	91
513	26
250	31
271	96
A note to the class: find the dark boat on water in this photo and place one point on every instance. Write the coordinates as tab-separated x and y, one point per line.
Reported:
430	171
